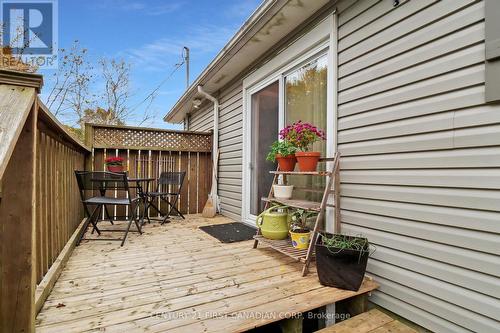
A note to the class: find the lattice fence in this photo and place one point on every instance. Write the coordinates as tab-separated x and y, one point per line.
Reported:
147	152
122	137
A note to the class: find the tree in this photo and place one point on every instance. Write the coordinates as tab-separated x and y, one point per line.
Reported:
101	116
116	75
70	95
8	60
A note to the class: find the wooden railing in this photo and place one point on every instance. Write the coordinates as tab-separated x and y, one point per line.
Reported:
58	207
148	152
40	210
39	205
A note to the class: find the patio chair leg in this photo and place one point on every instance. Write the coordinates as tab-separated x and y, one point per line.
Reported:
107	214
173	208
94	223
145	211
151	204
131	219
90	220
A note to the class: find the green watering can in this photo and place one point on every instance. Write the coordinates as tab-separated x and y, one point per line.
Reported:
273	224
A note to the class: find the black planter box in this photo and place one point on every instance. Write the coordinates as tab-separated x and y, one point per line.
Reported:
340	268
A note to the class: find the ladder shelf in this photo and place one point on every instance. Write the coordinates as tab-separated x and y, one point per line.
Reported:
284	246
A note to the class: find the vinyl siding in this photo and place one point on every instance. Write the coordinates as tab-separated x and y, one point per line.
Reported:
202	120
420	168
230	145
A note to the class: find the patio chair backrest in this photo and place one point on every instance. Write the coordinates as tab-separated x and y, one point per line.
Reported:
171	178
97	183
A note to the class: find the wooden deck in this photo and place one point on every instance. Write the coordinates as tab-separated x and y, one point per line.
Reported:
373	321
177	278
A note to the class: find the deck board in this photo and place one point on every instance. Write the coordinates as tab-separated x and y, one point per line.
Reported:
176	277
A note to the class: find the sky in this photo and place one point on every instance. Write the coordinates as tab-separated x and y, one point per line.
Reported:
150	35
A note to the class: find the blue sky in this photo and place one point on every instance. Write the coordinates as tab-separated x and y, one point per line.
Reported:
150	35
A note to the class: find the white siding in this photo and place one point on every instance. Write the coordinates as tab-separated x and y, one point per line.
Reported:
230	145
421	158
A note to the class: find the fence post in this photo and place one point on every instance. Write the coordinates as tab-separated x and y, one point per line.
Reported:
17	242
89	142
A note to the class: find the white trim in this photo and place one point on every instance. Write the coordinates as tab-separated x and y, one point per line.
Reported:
321	39
309	44
331	117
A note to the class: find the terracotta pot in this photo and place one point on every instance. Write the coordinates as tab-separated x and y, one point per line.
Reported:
115	168
286	163
307	160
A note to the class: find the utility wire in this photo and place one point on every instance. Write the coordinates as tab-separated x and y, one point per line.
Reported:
150	95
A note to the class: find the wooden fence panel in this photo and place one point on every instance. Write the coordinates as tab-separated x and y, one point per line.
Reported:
150	164
58	207
148	152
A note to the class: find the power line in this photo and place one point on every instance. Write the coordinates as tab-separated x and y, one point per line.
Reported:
150	95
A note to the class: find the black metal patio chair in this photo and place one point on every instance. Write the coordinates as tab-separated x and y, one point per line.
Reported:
93	186
168	190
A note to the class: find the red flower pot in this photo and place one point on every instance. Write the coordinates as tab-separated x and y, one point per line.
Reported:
286	163
115	168
307	160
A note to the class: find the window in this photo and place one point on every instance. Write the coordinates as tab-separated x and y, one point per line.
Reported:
306	100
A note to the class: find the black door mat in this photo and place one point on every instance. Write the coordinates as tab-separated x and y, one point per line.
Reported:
230	232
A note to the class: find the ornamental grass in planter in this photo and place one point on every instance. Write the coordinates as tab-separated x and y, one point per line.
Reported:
341	260
303	136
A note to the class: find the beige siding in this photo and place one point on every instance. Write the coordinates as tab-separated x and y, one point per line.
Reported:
421	167
230	144
202	120
420	157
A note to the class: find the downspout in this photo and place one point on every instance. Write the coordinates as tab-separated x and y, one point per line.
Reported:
213	193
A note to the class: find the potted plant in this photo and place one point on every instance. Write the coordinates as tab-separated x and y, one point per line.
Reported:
283	152
303	136
341	260
300	233
282	191
114	164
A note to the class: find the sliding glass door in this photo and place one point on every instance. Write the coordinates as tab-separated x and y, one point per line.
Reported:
299	92
264	131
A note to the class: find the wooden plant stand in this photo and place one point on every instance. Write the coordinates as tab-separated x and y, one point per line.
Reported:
284	246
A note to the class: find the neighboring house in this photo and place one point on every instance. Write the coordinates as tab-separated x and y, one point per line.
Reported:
407	95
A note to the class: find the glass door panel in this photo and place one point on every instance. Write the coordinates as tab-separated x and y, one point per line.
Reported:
306	100
264	131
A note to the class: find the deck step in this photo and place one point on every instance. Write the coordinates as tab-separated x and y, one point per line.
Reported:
373	321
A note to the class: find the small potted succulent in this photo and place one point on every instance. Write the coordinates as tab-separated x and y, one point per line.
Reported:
114	164
300	233
303	136
341	260
283	152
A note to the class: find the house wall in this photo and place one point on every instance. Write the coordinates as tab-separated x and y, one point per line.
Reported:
230	145
420	157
